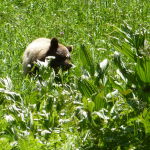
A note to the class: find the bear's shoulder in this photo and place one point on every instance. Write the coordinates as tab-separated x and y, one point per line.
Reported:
38	45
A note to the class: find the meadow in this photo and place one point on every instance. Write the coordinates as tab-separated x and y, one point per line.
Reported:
103	102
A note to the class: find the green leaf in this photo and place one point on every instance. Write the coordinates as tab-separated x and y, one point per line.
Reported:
139	39
87	60
5	144
128	41
87	88
123	70
146	120
99	101
126	50
88	104
143	69
116	84
126	92
123	42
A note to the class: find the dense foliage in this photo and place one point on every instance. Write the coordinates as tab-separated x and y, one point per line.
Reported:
103	102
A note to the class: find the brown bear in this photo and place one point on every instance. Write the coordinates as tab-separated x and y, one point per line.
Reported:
40	48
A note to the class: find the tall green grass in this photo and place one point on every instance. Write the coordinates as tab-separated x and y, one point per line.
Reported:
101	103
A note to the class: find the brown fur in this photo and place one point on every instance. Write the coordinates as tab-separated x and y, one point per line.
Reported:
40	48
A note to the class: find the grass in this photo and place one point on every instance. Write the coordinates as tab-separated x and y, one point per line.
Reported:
102	103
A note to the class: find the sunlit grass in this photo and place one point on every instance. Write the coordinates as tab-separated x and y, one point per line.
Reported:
101	103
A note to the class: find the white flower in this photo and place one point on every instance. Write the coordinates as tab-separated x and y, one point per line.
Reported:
9	118
44	132
112	94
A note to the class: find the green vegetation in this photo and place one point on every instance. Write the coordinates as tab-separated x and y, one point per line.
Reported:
103	103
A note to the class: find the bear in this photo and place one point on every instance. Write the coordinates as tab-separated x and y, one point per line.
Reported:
40	48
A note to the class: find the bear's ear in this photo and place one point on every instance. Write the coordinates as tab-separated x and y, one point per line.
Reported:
69	48
54	43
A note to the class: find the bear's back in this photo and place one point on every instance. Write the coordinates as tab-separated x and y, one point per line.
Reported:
37	49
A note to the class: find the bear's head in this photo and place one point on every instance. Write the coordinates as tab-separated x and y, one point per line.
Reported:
61	53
